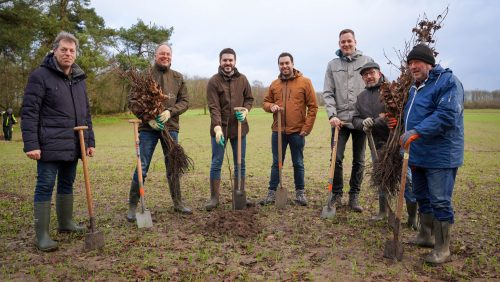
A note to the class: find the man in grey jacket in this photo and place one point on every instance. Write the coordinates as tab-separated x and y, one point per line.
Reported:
342	85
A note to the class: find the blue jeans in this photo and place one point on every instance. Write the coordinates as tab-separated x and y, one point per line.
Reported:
297	144
147	144
358	161
433	188
47	172
218	157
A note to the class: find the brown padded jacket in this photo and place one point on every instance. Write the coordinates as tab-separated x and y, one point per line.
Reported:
298	94
224	93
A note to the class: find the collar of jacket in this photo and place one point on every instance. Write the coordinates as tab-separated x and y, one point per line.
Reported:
50	62
351	58
296	73
226	77
162	69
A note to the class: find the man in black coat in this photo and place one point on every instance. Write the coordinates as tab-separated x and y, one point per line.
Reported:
369	115
55	101
8	121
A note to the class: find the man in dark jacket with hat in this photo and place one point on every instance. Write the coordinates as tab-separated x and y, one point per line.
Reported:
55	101
8	120
369	116
434	133
226	90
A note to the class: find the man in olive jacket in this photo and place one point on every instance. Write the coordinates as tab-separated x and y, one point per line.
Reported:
291	95
226	90
172	84
55	101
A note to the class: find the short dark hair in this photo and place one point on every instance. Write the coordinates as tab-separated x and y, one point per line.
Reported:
227	51
285	54
347	30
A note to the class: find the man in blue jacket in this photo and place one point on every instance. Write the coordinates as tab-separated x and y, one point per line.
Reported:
55	101
435	136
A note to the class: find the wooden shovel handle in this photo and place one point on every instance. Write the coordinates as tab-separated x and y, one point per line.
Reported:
334	159
88	192
404	172
135	123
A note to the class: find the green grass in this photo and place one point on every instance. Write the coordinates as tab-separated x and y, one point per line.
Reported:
294	245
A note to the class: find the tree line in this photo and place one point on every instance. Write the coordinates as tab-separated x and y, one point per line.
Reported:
28	28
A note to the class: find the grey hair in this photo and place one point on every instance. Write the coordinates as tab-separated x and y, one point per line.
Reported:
163	43
64	35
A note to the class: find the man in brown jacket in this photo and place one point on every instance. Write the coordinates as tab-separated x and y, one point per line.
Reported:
173	85
226	90
290	95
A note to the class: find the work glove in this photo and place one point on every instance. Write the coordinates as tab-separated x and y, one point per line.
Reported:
156	124
164	116
392	122
366	129
408	137
241	115
219	137
368	123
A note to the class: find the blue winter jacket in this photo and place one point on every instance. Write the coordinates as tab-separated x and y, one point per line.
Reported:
435	110
53	104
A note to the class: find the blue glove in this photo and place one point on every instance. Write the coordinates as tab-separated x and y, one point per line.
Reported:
241	115
156	124
408	137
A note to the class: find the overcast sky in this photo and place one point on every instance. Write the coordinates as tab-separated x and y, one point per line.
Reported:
259	30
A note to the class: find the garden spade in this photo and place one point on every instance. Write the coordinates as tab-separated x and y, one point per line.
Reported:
93	239
329	210
281	192
393	248
143	216
373	151
240	199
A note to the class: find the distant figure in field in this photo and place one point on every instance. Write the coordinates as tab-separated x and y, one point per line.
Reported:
8	120
55	101
434	133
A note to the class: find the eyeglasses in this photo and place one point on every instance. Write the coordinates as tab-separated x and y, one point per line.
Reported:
371	73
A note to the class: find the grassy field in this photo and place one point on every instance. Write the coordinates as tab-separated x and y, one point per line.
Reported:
293	245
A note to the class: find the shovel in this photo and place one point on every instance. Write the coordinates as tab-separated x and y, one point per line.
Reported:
328	210
240	199
93	239
143	216
373	150
281	192
393	248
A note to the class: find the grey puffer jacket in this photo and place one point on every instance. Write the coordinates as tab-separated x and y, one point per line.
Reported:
343	83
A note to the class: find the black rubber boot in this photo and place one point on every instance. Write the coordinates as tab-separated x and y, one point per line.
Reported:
269	199
382	209
412	215
354	203
43	242
441	252
425	236
214	195
175	192
133	199
64	211
300	197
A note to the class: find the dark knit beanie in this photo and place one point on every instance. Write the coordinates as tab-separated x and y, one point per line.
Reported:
423	53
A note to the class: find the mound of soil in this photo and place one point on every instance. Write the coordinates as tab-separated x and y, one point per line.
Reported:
242	223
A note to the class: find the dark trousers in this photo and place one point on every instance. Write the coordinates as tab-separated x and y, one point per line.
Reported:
7	133
358	162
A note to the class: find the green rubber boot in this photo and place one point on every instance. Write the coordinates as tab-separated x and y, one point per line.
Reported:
214	195
412	215
382	209
425	236
64	211
42	221
132	201
175	192
441	252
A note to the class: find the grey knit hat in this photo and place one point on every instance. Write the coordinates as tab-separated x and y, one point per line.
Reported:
423	53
